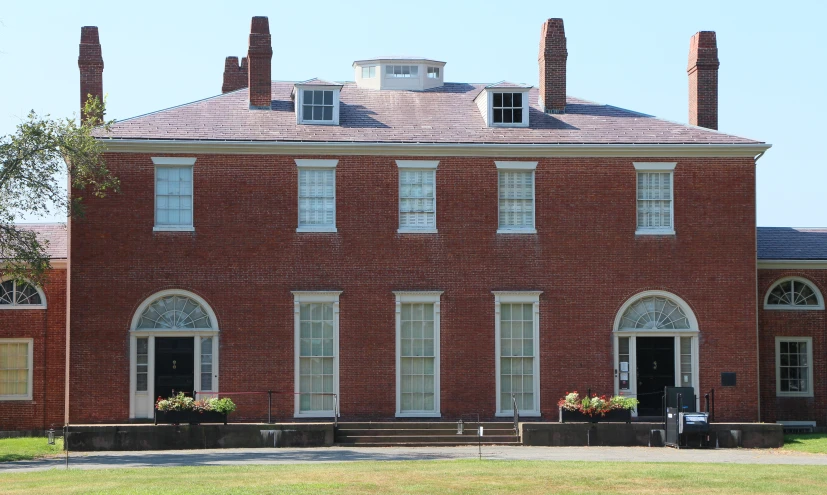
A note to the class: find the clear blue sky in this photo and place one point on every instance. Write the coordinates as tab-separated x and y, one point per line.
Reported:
628	54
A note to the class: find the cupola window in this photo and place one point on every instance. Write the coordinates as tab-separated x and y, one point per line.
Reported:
401	70
433	72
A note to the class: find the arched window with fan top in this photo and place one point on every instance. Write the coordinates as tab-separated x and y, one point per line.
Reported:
793	293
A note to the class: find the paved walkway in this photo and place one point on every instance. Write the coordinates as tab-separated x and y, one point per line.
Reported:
224	457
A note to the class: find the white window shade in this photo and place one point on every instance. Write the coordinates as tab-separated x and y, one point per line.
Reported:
516	200
317	199
417	199
173	196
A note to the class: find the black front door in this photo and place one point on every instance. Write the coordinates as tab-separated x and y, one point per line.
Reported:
655	370
174	361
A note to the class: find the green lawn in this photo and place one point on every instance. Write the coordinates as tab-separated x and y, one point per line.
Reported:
441	477
21	449
814	443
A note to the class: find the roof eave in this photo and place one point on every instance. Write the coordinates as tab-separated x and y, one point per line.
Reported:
120	145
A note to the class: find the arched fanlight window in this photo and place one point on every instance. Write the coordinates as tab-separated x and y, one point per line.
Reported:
654	313
175	312
15	294
793	293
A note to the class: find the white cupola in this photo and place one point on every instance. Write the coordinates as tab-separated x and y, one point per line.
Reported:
399	73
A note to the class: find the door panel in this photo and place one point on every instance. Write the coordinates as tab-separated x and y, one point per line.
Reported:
174	363
655	370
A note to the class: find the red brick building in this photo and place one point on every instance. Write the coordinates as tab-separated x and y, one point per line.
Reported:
401	246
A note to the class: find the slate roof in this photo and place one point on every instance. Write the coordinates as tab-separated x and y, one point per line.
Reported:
54	233
445	114
787	243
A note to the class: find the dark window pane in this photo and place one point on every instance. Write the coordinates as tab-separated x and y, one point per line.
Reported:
307	112
142	346
507	117
518	100
388	69
308	97
506	99
141	385
518	115
318	96
328	113
498	99
498	116
328	97
317	113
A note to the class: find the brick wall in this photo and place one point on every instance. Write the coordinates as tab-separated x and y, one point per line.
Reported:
47	328
774	323
245	257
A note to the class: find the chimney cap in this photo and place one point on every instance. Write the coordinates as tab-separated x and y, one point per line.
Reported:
260	25
89	35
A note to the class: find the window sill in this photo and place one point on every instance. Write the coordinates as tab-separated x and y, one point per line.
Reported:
9	398
654	232
770	307
318	122
317	229
516	231
419	415
4	307
416	231
526	414
164	228
806	395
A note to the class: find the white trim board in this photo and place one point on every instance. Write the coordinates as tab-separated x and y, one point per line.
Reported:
792	264
431	149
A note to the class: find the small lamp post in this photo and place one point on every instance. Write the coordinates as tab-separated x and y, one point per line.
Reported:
460	427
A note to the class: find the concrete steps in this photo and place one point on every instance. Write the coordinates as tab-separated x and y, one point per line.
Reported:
391	434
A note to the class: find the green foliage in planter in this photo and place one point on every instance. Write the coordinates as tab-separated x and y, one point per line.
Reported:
595	405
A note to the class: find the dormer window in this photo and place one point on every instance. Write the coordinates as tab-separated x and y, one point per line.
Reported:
317	102
402	71
504	105
369	72
317	105
508	108
433	72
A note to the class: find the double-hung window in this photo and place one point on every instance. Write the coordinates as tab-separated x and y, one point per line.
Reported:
369	72
655	198
417	354
794	366
417	196
316	353
517	334
401	71
16	369
317	195
516	197
173	193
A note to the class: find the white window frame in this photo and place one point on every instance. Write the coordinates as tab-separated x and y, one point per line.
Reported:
427	297
300	89
304	297
402	75
791	307
518	167
30	386
174	162
515	297
315	164
144	400
416	165
15	306
432	72
491	122
809	342
656	167
371	71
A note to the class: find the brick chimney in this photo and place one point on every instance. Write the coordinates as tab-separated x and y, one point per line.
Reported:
259	56
90	62
552	61
703	80
235	76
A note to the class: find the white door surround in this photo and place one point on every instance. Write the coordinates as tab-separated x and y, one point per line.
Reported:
188	316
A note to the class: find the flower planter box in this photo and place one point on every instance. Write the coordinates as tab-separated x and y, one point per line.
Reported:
189	417
614	416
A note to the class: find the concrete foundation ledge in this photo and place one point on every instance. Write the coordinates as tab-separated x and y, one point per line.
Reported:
212	436
725	435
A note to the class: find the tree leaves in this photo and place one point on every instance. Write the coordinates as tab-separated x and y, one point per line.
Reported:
34	162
